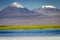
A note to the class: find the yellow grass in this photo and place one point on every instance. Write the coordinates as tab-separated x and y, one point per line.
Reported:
28	27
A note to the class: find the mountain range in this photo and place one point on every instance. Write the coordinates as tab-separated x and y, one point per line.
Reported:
16	14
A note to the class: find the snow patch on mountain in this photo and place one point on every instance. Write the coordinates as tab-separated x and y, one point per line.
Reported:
16	4
48	6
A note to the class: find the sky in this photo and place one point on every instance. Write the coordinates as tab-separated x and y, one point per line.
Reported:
30	4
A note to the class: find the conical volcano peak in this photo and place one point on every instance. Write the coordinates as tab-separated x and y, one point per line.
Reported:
16	4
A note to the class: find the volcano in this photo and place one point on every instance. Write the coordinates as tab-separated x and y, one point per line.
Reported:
16	14
48	10
17	10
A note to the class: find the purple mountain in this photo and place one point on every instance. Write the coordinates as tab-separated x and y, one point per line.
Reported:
17	10
48	11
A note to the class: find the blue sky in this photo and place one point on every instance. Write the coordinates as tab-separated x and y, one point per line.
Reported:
30	4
